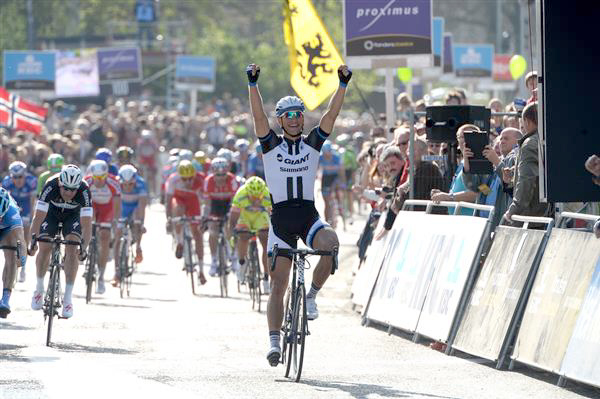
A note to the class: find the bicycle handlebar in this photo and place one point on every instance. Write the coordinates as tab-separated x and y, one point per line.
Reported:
303	253
185	218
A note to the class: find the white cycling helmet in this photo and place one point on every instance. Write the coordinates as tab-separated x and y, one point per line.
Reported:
173	160
226	154
98	168
288	103
70	176
219	165
4	201
186	155
242	145
17	168
127	173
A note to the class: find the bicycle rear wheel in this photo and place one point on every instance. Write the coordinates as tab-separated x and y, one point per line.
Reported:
90	270
52	300
300	328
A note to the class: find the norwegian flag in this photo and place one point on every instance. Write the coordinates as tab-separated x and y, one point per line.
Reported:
18	114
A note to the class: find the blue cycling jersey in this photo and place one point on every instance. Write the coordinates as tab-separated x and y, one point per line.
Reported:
256	166
130	200
22	195
332	165
11	219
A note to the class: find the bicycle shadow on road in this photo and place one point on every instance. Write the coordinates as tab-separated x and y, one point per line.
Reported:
77	348
118	305
13	326
363	391
9	353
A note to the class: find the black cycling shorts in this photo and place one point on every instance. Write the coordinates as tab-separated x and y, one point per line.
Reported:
70	221
293	220
219	208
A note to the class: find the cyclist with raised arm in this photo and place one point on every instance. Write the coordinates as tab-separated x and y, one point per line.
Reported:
291	161
219	188
184	197
22	187
106	201
65	199
134	198
11	232
250	214
55	163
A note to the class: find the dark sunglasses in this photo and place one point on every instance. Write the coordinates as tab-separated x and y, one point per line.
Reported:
69	189
18	177
292	114
403	143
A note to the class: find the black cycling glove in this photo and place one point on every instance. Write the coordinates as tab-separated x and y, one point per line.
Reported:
344	79
252	78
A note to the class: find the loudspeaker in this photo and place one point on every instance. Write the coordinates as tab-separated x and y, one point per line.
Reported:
568	92
442	121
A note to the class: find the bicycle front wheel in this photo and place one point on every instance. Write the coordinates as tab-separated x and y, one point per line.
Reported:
52	300
300	328
123	262
90	270
223	267
188	261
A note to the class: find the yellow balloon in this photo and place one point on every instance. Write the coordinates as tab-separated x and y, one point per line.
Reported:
404	74
517	66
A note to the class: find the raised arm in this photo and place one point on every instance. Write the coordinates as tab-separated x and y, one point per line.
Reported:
337	100
261	122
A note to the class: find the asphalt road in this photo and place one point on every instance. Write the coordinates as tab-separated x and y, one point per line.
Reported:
165	342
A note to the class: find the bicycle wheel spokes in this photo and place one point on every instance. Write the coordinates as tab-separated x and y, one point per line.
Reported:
300	328
287	333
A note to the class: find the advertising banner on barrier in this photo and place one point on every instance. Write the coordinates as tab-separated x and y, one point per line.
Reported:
387	29
498	291
473	60
195	73
422	281
119	64
29	70
438	41
365	278
77	73
582	360
560	286
447	63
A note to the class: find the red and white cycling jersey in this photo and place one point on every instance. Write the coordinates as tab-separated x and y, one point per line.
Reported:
104	195
146	150
103	198
223	191
177	188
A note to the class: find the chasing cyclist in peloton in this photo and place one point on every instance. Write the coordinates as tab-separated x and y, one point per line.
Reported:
106	201
184	190
291	163
65	199
219	188
134	197
22	187
250	214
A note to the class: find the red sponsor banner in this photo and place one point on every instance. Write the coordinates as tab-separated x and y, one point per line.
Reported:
18	114
500	69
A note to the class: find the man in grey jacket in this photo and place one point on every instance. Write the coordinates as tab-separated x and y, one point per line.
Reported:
526	173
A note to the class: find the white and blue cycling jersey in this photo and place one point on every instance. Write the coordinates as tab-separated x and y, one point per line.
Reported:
130	200
11	219
22	195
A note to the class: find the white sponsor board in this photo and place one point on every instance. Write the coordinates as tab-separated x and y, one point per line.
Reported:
423	277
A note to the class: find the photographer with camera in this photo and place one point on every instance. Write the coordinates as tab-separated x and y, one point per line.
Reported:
490	188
